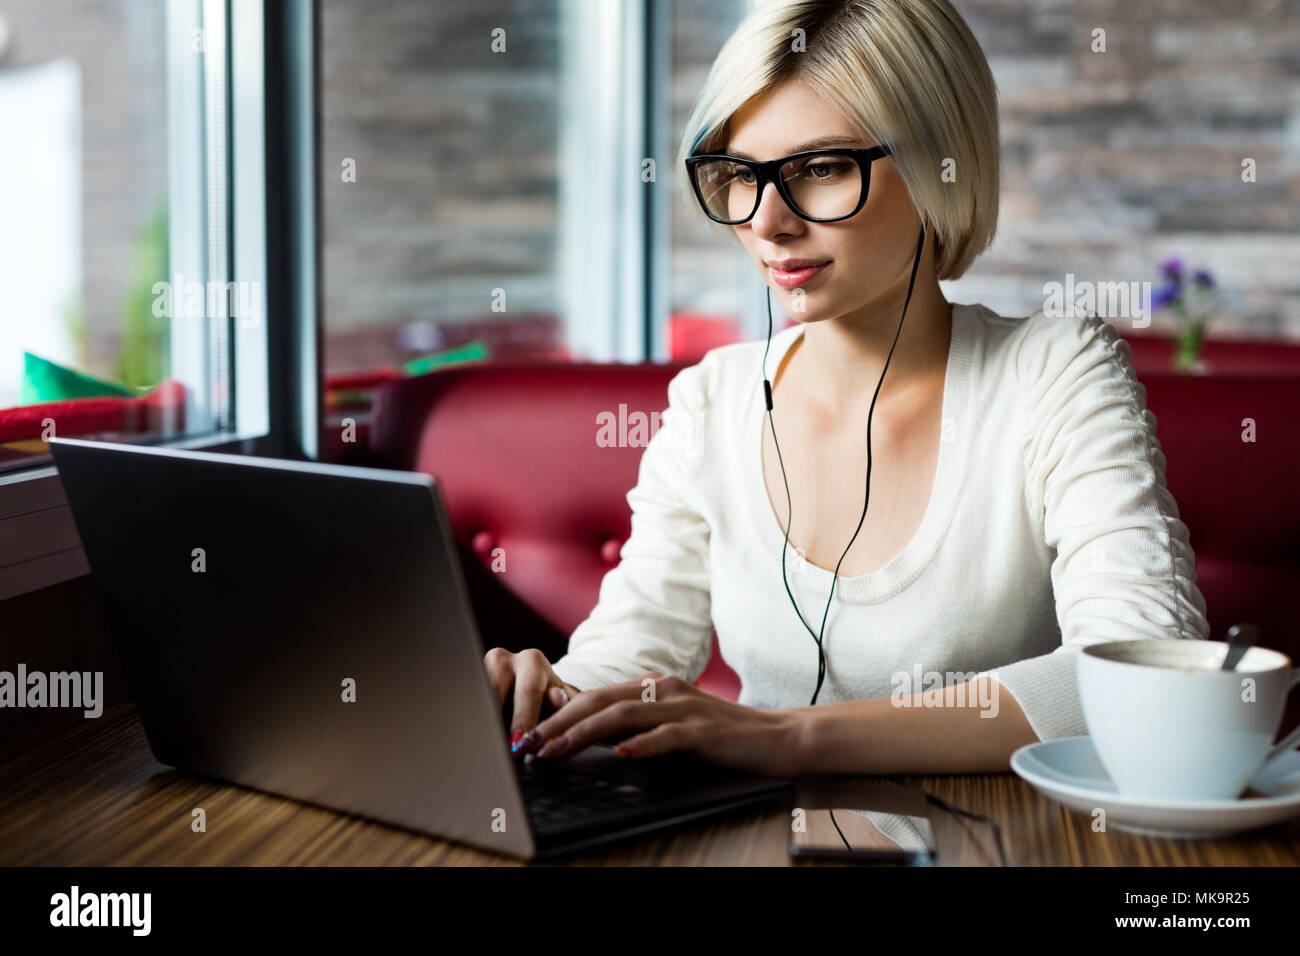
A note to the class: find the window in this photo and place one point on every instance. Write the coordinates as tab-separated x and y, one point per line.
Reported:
483	193
121	312
83	182
440	182
134	244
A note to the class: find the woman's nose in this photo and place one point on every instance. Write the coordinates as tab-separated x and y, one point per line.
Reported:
773	216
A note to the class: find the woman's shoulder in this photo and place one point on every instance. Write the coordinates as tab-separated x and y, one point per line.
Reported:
726	372
1047	346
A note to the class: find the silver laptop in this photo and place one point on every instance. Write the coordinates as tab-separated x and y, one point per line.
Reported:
305	629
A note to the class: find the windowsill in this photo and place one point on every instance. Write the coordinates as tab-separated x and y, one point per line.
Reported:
44	468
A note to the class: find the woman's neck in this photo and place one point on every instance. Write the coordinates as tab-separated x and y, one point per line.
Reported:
842	358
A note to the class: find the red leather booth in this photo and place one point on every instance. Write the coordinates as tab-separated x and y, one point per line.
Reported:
514	446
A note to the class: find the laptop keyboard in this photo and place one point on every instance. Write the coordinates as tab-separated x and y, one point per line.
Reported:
561	796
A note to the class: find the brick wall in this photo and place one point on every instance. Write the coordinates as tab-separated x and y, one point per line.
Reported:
1113	161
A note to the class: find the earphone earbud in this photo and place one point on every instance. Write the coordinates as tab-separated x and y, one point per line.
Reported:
767	398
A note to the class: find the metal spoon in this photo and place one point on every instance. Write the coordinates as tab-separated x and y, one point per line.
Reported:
1240	638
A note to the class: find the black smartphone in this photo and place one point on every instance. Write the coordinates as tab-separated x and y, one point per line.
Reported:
882	823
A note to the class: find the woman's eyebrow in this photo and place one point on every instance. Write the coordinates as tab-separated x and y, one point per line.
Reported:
819	143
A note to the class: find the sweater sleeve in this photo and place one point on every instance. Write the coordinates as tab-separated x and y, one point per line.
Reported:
654	608
1122	565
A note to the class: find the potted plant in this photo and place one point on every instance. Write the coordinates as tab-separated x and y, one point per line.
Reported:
1190	299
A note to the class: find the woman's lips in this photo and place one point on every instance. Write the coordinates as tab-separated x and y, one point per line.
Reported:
795	277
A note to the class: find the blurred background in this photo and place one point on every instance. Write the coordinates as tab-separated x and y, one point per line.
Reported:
1113	163
483	198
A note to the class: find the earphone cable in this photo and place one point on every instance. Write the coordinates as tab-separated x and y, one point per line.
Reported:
767	397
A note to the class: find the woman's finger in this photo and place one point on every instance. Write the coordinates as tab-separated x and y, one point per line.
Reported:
498	662
672	736
532	677
589	702
628	713
578	707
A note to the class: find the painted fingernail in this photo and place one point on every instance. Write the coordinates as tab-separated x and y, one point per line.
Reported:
553	746
526	740
625	749
564	697
514	740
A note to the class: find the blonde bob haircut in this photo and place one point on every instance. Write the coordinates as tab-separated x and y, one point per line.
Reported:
907	73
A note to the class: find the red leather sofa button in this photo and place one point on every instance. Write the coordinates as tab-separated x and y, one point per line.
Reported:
483	543
610	549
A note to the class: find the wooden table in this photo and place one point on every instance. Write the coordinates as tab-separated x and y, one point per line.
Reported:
93	795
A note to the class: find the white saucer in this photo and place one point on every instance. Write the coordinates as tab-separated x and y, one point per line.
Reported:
1069	770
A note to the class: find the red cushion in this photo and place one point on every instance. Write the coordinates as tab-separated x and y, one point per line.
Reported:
163	406
1155	353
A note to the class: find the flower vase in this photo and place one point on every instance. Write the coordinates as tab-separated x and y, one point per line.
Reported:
1187	356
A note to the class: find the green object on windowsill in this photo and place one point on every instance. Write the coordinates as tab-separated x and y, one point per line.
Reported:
1191	337
46	381
469	352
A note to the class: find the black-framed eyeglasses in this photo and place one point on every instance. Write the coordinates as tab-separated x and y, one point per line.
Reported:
819	185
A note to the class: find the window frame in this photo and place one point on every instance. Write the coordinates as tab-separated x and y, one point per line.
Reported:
615	97
263	60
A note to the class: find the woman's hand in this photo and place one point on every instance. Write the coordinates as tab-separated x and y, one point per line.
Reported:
661	714
529	674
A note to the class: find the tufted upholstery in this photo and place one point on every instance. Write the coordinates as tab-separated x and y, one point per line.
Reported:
1237	497
514	445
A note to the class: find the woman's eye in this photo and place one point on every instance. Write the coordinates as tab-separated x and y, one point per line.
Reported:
744	175
825	170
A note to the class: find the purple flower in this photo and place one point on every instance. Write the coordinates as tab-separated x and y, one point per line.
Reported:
1172	269
1166	295
1203	278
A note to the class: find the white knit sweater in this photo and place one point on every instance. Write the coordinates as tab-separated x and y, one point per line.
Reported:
1049	527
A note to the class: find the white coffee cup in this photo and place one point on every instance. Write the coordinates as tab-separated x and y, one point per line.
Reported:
1168	723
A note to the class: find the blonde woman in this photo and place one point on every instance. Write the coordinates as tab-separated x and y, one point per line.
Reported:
903	517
